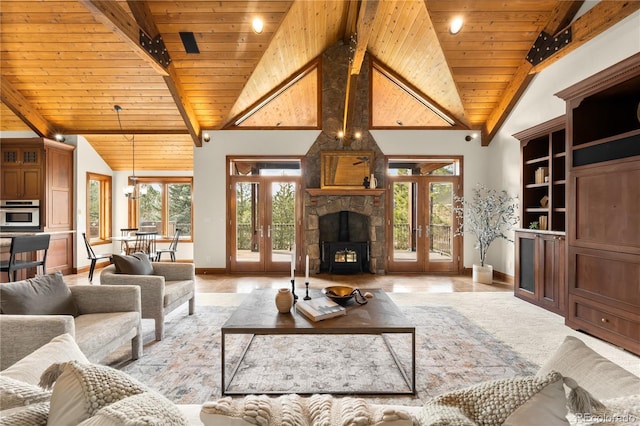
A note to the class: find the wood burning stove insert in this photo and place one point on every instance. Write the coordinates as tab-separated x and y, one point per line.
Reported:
344	246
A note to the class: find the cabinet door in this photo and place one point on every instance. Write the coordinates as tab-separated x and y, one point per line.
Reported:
11	177
21	183
526	261
31	183
551	269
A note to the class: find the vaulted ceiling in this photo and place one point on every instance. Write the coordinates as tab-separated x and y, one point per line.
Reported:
66	63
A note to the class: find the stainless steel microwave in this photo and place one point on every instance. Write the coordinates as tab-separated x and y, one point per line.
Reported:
22	214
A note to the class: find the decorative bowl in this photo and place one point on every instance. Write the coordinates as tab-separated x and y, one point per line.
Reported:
339	293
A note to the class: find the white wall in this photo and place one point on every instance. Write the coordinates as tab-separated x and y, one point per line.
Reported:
539	104
86	159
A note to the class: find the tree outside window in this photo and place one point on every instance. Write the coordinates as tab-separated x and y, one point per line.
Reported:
98	207
166	206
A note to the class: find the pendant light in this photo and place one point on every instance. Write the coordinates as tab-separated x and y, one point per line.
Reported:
131	191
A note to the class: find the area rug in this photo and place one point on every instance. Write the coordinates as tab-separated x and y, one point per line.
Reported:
452	351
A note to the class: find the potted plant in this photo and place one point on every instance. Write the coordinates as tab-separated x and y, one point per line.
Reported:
489	215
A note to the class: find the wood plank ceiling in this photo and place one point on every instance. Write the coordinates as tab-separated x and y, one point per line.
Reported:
66	63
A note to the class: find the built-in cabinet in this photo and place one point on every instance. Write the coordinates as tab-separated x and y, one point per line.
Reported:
21	172
540	243
42	169
603	227
540	269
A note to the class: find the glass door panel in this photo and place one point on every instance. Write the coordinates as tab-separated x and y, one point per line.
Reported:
281	230
404	228
440	222
248	226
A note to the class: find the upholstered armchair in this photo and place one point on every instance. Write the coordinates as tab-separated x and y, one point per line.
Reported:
100	318
163	289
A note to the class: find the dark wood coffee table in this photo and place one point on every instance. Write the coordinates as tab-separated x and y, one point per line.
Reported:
257	315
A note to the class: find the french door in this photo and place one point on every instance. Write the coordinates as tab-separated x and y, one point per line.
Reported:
422	224
264	214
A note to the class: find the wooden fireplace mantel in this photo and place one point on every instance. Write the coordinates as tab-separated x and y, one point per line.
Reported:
322	192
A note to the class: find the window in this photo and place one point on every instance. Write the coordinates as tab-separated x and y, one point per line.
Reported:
98	207
165	207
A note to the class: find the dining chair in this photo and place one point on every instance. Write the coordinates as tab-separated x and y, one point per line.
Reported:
145	242
93	257
172	249
26	244
125	233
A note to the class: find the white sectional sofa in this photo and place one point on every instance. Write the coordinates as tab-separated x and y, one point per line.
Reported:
518	401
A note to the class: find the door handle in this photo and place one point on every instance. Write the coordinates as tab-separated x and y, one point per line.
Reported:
419	231
268	231
261	232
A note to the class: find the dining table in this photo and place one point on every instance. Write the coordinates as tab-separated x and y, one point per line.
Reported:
139	242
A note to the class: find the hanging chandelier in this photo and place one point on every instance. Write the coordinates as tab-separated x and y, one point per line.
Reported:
133	192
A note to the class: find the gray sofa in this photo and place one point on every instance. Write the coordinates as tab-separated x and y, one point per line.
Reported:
104	318
168	286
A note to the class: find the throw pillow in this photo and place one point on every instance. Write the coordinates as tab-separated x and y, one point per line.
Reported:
31	415
599	376
14	393
60	349
624	411
135	264
147	408
293	409
517	401
81	390
42	295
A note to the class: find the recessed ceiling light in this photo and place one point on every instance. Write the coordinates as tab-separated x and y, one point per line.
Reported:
257	25
456	25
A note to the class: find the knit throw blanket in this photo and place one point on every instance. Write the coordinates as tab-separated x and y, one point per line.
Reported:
294	410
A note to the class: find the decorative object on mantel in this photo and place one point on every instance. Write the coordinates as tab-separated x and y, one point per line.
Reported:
366	182
488	216
373	182
284	300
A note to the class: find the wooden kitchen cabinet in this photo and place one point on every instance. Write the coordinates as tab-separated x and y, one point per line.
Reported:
42	169
22	177
540	269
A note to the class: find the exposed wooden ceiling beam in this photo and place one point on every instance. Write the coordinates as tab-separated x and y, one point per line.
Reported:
595	21
116	18
21	107
144	18
560	18
364	29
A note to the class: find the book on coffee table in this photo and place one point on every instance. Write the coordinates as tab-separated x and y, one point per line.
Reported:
320	308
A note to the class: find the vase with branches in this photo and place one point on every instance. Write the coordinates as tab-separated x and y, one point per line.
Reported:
489	215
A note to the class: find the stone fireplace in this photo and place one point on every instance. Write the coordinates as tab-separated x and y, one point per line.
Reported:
365	212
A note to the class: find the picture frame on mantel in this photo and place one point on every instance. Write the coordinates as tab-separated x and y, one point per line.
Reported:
345	169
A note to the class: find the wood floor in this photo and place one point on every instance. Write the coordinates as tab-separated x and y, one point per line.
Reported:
396	283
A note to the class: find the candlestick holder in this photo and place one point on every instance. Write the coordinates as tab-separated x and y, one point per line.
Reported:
306	297
293	290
